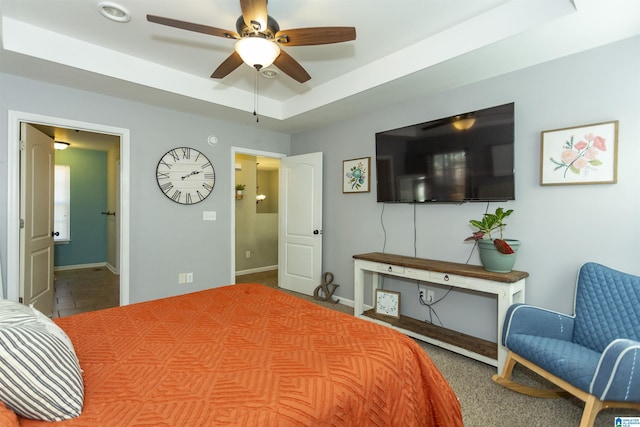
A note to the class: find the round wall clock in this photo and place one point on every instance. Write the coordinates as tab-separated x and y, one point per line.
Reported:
185	175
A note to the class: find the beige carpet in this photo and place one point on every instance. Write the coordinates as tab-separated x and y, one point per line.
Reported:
484	403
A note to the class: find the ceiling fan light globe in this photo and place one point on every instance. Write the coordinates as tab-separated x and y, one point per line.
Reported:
464	123
257	52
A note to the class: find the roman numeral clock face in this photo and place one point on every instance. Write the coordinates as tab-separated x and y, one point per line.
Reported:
185	175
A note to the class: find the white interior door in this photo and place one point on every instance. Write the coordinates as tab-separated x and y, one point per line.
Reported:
300	223
37	163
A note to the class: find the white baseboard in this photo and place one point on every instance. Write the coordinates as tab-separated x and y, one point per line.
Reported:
111	268
257	270
80	266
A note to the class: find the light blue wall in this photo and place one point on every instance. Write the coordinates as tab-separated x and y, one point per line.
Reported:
88	170
560	227
165	238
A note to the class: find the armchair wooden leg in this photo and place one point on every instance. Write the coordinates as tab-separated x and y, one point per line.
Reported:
504	380
509	364
591	408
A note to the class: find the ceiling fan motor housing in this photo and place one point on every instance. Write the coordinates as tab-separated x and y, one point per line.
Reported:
244	30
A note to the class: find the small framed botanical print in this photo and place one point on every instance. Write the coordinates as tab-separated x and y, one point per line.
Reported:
355	175
387	303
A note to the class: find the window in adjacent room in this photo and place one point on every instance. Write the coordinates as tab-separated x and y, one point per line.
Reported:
62	202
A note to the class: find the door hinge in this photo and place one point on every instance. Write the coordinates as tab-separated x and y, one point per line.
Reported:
22	146
21	223
20	300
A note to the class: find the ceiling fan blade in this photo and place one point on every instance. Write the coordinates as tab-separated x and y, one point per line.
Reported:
254	13
189	26
291	67
315	36
227	66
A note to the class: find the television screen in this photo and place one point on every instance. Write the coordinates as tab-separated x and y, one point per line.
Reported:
467	157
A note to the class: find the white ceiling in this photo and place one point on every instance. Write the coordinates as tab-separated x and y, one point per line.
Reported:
404	48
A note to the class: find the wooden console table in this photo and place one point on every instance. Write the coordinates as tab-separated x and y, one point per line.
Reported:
508	287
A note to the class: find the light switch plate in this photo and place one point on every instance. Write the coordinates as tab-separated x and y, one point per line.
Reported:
209	215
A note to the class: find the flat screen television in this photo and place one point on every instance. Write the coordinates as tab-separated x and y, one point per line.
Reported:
463	158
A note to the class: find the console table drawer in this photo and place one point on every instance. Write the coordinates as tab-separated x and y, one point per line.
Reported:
390	268
445	278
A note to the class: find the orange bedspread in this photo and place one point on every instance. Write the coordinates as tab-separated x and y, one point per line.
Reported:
249	355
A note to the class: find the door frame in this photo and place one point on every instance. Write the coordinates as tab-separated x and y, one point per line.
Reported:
13	196
232	198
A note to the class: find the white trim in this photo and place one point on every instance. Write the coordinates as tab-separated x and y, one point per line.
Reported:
80	266
232	198
13	194
257	270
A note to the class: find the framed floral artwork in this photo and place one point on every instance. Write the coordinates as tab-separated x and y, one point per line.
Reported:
387	303
355	175
580	155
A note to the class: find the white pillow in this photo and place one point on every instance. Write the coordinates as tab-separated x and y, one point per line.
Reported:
40	375
53	328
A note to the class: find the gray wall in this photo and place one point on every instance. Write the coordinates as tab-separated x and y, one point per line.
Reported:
166	238
560	227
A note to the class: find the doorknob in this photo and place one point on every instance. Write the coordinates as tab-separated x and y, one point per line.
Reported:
317	231
55	233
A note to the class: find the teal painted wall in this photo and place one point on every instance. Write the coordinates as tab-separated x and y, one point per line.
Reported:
88	201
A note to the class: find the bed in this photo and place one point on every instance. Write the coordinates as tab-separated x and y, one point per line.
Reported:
248	355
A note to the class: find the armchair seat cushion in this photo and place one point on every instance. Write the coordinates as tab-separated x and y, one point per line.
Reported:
565	359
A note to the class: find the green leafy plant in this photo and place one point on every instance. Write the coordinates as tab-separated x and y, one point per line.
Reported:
492	222
240	187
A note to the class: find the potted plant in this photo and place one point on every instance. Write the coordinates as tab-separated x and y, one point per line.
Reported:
496	254
240	191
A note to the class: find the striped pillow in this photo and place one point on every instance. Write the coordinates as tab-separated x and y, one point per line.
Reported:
40	376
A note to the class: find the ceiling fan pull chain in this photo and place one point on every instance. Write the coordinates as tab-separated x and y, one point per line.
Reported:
255	97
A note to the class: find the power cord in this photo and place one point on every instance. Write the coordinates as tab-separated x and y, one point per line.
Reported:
415	232
384	230
429	305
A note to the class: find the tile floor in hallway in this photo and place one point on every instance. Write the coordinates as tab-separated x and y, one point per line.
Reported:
82	290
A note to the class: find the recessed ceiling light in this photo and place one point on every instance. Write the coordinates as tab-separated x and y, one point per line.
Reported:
269	73
114	11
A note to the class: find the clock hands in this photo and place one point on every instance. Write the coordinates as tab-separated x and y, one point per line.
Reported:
192	173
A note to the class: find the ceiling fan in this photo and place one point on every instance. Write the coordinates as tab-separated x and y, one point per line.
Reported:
259	39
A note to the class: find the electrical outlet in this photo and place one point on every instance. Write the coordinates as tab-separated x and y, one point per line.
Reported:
431	296
189	277
247	254
422	295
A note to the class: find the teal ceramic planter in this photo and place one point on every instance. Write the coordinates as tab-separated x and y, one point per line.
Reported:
494	261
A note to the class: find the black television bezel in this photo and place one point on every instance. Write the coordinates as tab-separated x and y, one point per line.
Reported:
450	119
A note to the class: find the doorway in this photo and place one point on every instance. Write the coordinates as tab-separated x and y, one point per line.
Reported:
299	220
254	228
122	233
256	218
85	252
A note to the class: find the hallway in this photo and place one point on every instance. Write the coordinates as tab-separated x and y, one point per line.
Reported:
82	290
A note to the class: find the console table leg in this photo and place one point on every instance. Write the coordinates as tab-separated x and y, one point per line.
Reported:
358	290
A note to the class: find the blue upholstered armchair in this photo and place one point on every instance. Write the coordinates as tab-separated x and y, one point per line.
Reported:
594	354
